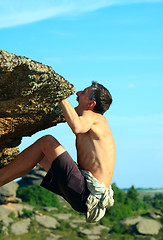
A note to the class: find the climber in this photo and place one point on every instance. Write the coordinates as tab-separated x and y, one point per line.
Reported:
87	184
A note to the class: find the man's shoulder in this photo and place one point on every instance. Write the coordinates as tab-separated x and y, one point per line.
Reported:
93	114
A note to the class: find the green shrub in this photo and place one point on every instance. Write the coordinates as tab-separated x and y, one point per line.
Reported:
125	204
1	226
119	211
161	220
158	196
132	193
119	195
118	228
26	213
12	215
37	196
132	200
147	198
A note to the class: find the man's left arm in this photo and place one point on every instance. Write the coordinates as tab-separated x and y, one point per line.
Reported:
78	124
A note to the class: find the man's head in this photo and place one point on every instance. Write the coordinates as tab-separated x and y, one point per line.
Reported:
96	98
101	96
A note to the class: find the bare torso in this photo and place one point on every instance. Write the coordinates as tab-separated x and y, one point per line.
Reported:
96	150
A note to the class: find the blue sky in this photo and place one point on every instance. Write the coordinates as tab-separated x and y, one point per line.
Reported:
117	43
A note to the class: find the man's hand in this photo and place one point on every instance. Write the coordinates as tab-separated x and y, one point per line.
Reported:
78	124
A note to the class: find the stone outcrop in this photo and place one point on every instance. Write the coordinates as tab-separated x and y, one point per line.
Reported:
56	222
35	176
93	233
29	99
148	227
131	220
142	225
8	193
20	227
46	221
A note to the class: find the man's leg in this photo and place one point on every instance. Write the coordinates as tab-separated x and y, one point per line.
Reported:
44	149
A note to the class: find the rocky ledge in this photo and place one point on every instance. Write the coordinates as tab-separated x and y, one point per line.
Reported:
29	100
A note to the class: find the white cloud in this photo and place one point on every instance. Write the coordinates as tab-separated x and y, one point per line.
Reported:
13	13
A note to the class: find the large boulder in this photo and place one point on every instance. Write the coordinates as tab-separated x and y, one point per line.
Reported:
131	220
4	212
21	227
29	99
35	176
46	221
148	227
141	225
8	193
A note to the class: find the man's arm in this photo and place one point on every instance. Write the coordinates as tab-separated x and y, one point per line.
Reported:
78	124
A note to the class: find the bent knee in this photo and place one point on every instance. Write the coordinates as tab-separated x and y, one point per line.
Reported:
49	141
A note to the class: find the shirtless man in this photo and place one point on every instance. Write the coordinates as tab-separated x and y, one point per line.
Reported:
86	186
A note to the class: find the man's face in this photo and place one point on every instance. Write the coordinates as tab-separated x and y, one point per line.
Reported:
83	97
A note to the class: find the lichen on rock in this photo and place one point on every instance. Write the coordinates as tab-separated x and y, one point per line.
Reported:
29	98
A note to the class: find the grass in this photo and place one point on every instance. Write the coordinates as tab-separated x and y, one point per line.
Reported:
69	232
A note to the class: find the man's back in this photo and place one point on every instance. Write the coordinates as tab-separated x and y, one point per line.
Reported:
96	150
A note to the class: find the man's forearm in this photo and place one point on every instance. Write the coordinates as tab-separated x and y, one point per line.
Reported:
70	115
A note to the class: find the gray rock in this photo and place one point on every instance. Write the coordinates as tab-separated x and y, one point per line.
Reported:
17	209
21	227
6	221
46	221
75	222
4	212
50	209
33	177
78	221
63	216
93	233
148	227
98	229
53	237
8	193
93	237
131	220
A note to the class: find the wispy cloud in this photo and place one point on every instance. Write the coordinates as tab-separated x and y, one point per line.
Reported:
18	12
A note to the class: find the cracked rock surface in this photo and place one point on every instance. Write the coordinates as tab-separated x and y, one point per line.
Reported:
29	100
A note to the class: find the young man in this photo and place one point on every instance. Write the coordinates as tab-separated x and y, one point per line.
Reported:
86	186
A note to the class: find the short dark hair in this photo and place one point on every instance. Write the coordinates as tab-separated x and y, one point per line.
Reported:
101	96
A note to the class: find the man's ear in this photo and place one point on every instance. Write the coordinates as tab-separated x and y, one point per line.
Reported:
91	104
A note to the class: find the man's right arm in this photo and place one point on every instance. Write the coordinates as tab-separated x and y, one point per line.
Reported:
78	124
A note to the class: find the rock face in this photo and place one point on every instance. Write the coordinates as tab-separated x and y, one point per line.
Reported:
20	227
29	99
142	226
131	220
33	177
8	193
148	227
46	221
